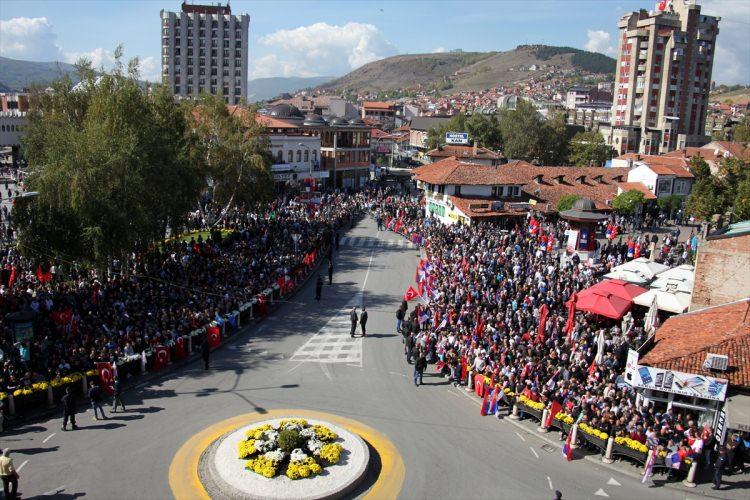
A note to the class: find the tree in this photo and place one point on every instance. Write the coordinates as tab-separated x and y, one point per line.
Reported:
484	130
699	168
741	131
741	204
627	201
436	135
231	152
109	162
589	148
670	204
705	199
527	136
567	201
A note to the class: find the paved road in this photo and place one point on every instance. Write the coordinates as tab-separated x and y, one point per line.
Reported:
302	357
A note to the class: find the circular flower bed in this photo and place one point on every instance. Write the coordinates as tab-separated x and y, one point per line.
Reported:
292	447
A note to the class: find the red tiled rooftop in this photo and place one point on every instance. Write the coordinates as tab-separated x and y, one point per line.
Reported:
385	106
637	186
683	341
662	165
464	152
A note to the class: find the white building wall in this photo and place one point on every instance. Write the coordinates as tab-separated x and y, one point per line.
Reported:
642	173
11	128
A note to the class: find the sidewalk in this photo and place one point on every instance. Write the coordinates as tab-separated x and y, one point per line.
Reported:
734	487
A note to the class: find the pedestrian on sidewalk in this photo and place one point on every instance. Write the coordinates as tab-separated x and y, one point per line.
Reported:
330	271
419	367
117	399
69	409
205	351
95	395
363	321
354	318
719	465
9	475
318	287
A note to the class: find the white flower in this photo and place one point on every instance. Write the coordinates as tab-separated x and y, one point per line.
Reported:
293	427
276	455
307	433
270	436
314	445
297	455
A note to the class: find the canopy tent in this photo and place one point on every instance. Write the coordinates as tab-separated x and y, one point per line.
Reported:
676	302
603	304
618	288
680	278
640	271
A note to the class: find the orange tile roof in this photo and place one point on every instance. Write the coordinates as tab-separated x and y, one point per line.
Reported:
662	165
386	106
464	152
637	186
736	149
683	341
454	171
272	122
689	152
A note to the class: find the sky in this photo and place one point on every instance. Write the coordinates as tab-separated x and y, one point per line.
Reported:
331	38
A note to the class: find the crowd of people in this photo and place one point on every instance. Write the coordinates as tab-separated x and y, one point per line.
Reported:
178	286
485	290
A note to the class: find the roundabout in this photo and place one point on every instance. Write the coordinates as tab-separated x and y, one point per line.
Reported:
209	464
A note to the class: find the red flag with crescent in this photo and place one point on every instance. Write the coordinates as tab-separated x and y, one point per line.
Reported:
106	377
214	336
411	294
161	357
180	349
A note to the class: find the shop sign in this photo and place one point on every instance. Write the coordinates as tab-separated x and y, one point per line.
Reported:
631	365
686	384
572	240
436	209
721	425
456	138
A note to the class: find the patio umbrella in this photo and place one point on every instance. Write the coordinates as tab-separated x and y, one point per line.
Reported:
670	301
651	320
619	288
680	278
603	304
639	271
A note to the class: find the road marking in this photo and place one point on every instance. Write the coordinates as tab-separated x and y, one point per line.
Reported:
49	437
21	466
324	367
534	452
396	373
522	438
601	493
369	264
613	482
549	481
295	367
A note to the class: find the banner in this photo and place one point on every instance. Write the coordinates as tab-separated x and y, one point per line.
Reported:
570	247
686	384
161	358
106	377
180	349
214	336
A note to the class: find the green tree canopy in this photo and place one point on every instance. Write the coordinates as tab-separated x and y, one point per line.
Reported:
699	168
528	136
670	203
589	148
567	201
109	162
626	202
741	131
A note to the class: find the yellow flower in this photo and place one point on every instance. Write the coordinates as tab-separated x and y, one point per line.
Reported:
255	432
92	373
261	465
40	386
3	396
324	433
246	448
331	452
293	421
305	468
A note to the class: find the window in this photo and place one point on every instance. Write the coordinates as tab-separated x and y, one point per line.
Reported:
237	91
457	190
307	155
280	156
497	191
299	155
290	156
314	156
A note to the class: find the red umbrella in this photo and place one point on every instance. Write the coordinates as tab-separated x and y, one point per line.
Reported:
618	288
602	303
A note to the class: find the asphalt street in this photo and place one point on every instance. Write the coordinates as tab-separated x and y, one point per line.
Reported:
302	357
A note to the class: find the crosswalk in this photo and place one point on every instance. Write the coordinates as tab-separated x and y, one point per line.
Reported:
333	343
369	242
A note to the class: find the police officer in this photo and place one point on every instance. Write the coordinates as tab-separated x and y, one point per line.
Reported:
117	399
363	321
353	316
69	409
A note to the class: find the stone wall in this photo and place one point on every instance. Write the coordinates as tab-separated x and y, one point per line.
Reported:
722	271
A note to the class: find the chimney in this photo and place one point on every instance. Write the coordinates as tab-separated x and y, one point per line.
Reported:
475	148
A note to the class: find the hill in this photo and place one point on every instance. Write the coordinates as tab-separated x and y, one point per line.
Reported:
16	74
460	71
263	89
734	94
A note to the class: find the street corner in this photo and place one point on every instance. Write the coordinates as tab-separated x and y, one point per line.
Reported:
379	473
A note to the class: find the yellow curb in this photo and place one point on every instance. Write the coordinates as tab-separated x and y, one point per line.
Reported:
183	471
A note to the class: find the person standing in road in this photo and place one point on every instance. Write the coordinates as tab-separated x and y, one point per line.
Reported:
363	321
409	347
69	409
353	316
400	315
205	351
420	365
330	271
95	395
318	288
117	398
719	465
9	475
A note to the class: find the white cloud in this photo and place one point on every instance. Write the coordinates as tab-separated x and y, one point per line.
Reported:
29	38
321	49
732	62
98	57
439	50
599	41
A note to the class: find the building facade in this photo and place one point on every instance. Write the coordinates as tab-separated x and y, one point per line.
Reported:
663	78
204	49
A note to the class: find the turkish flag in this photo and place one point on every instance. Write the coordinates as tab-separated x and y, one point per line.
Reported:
262	305
106	375
214	336
161	358
553	411
180	349
411	294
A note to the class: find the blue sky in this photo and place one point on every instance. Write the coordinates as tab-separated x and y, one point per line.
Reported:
290	38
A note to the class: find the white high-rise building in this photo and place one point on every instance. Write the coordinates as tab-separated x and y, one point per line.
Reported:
204	49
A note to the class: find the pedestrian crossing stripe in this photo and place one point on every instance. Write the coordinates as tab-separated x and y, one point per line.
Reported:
367	242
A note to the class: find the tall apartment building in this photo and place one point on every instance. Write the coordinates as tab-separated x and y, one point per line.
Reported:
663	79
204	49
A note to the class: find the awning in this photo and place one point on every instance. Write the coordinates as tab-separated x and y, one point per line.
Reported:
738	412
603	304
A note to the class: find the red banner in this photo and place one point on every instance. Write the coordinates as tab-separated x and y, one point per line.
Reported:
106	377
161	358
180	349
262	305
214	336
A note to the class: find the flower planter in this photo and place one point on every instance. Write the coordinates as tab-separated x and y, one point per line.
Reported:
599	443
537	414
37	399
622	450
559	424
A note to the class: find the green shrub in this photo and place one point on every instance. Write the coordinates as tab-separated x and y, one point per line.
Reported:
289	439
